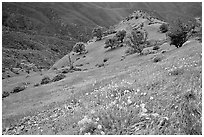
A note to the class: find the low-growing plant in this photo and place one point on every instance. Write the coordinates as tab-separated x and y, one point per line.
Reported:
79	48
136	41
164	28
45	80
5	94
157	59
19	88
36	84
58	77
156	47
177	71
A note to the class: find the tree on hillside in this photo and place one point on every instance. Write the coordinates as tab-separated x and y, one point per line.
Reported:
97	32
112	43
121	35
136	41
79	47
180	34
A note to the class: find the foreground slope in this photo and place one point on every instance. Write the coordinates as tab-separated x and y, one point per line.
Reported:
164	88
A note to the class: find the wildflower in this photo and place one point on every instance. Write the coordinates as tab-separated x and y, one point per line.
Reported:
97	119
102	133
129	101
99	127
87	133
93	111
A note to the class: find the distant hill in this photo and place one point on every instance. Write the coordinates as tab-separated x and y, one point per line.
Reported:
42	33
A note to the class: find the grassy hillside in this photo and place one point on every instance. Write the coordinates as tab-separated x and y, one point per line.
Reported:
108	91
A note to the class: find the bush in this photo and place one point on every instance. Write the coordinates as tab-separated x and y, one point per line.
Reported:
97	32
177	71
45	80
19	88
156	47
136	41
164	28
36	84
79	47
5	94
121	35
58	77
112	43
157	59
179	35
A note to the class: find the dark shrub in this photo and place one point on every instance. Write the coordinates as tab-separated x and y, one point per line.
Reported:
5	94
58	77
97	32
112	43
120	35
45	80
157	59
156	47
65	70
79	47
164	28
105	60
179	35
19	88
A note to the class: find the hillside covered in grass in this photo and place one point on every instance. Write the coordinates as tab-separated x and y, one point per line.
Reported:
142	75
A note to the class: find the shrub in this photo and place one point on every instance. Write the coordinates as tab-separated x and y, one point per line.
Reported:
5	94
97	32
112	43
121	35
79	47
136	41
179	35
157	59
58	77
36	84
164	28
177	71
45	80
156	47
19	88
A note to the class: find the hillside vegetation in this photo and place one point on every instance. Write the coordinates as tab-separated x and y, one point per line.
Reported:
140	76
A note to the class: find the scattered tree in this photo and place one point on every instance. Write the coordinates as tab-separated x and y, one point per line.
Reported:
180	35
58	77
97	32
112	43
136	41
121	35
45	80
79	47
